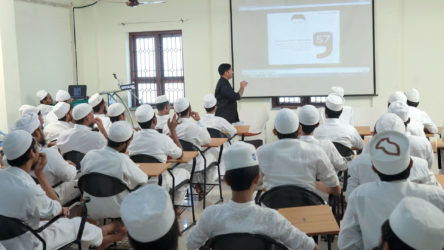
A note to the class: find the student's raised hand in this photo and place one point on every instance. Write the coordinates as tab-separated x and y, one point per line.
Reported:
41	162
65	211
173	122
98	121
195	115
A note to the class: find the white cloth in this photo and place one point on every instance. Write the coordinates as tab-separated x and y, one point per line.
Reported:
334	130
422	148
110	162
162	121
415	128
80	138
53	130
45	109
58	170
150	142
346	116
360	171
246	217
420	116
50	118
21	198
219	123
339	162
294	162
106	121
372	203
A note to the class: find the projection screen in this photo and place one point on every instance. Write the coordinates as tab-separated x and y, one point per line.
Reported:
300	48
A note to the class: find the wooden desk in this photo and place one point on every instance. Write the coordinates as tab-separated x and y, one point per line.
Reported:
186	157
154	169
440	179
363	131
439	147
216	142
432	135
312	220
242	130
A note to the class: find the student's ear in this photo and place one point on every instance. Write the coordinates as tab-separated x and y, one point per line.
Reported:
411	163
226	181
154	122
256	179
374	169
408	121
275	132
317	125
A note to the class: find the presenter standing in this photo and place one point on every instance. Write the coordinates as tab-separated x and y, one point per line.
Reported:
225	95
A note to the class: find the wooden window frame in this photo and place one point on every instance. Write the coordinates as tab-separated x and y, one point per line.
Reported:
304	101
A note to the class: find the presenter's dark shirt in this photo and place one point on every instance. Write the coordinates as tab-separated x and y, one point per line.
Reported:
226	101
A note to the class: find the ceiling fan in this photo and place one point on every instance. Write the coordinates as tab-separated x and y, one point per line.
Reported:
134	3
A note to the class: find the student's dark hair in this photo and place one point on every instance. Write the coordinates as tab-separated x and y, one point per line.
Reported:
114	144
397	177
288	136
41	101
23	158
162	106
97	107
413	104
81	120
393	241
64	118
167	242
185	112
223	67
210	109
115	118
146	125
332	114
308	129
241	179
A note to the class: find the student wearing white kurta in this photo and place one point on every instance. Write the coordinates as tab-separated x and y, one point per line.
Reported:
163	111
99	107
81	138
149	141
347	111
23	199
332	129
62	111
418	115
61	96
371	203
195	133
46	102
309	121
111	161
241	214
116	112
290	161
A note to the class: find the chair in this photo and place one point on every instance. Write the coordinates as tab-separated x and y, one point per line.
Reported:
344	151
12	227
159	130
244	241
348	154
289	196
102	185
141	158
74	156
215	133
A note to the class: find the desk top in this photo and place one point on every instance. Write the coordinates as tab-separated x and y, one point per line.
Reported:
312	220
216	142
153	169
242	129
440	144
363	130
440	179
432	135
186	157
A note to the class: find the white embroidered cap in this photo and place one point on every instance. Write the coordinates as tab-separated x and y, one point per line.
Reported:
209	101
390	121
308	115
28	122
412	95
181	105
286	121
95	99
338	90
334	102
62	95
144	113
115	109
397	96
400	109
240	155
16	143
61	109
120	131
26	109
41	94
161	99
81	110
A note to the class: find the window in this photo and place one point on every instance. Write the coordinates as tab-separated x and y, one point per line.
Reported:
157	65
297	101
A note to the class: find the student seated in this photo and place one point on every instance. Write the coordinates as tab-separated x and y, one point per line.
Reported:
419	145
46	102
99	107
413	224
418	115
290	161
116	112
334	130
372	203
61	96
81	138
62	111
360	169
163	111
309	121
112	160
149	217
23	199
57	171
149	141
346	116
241	214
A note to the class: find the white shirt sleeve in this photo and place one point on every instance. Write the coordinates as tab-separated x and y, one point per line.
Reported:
228	128
63	170
47	207
339	162
357	141
204	137
430	155
325	171
428	123
350	236
172	149
201	232
133	174
353	180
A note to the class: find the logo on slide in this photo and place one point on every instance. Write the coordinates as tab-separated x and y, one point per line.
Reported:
324	39
388	147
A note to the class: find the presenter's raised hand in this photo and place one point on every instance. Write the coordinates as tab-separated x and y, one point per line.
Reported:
243	84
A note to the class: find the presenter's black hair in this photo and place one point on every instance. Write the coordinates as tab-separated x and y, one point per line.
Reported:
223	68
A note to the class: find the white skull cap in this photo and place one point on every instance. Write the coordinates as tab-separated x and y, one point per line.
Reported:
144	113
412	95
334	102
338	90
286	121
16	143
26	109
209	101
181	105
390	152
390	121
400	109
120	131
81	110
28	122
62	95
161	99
240	155
147	213
41	94
397	96
309	115
115	109
418	223
61	109
95	99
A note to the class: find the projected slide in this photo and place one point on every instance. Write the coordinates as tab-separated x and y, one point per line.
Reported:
303	37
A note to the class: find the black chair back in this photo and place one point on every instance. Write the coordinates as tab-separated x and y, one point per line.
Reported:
101	185
11	228
188	146
344	150
159	130
290	196
255	143
141	158
74	156
244	241
215	133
